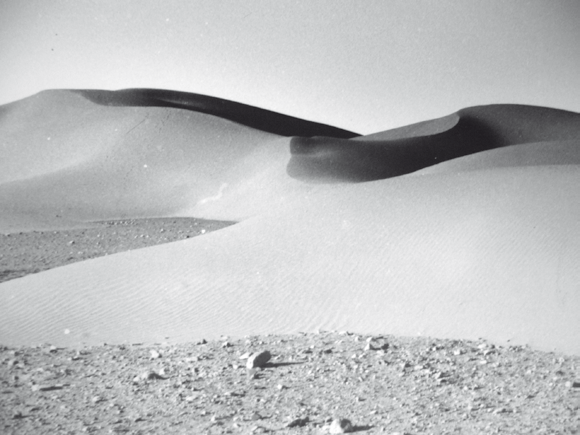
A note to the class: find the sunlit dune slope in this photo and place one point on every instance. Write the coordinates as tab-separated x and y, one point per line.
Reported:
489	254
411	148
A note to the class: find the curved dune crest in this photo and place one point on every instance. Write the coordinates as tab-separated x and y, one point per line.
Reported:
250	116
412	148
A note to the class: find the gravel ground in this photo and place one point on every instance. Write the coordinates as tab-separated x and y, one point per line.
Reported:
31	252
381	384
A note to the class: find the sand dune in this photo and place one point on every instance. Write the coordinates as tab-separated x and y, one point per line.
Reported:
401	151
484	244
71	160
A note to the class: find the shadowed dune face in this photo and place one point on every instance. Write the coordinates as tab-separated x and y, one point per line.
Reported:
385	155
260	119
565	152
482	240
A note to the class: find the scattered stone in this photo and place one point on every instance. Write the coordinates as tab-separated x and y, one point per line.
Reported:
298	422
148	376
369	347
340	425
97	399
258	359
47	387
154	354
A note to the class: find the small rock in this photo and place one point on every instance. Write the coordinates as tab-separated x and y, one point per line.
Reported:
47	387
154	354
97	399
298	422
258	359
146	376
340	425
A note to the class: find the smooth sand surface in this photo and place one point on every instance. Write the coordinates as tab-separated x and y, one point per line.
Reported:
485	244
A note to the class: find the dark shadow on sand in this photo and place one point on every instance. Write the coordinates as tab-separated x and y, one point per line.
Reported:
261	119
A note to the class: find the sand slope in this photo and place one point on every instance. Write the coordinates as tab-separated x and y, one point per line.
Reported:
492	254
485	244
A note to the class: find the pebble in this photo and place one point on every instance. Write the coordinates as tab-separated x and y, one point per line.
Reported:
340	425
47	387
298	422
258	359
149	375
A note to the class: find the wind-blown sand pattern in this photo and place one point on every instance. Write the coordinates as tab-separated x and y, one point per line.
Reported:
466	226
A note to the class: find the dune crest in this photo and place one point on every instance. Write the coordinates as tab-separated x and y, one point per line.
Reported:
254	117
412	148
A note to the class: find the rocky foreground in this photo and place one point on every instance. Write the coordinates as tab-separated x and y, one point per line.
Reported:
310	383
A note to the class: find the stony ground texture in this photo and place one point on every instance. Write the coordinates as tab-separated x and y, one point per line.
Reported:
382	384
31	252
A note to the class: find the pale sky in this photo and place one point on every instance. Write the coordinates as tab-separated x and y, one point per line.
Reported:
363	65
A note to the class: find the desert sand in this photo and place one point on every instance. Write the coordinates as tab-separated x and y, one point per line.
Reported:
462	227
